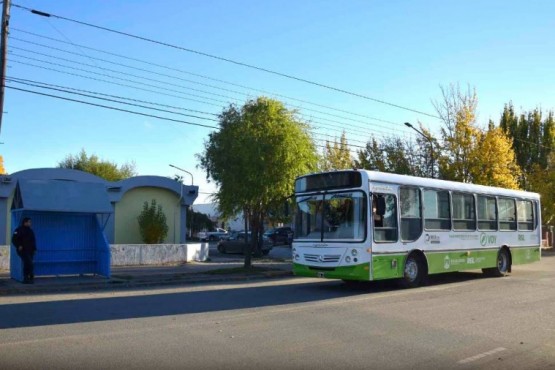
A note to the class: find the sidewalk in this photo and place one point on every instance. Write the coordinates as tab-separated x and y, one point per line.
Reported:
149	276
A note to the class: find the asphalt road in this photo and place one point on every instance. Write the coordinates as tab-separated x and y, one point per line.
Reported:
458	321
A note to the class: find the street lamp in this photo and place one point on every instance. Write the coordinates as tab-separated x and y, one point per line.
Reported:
181	169
427	138
190	208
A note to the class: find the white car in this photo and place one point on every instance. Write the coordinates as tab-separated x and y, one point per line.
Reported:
212	235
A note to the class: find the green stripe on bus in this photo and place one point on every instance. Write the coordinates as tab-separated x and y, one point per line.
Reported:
356	272
388	266
525	255
461	260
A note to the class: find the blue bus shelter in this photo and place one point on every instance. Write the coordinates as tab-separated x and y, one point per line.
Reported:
68	219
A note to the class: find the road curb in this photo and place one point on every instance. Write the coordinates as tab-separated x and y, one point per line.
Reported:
114	284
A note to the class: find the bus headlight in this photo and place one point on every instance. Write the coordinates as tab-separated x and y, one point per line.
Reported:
354	252
297	257
347	259
294	250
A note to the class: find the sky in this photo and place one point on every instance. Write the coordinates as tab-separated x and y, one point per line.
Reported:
395	51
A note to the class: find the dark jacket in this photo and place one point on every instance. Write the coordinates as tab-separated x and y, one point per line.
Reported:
25	237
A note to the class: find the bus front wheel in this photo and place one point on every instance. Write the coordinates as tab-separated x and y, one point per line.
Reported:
415	271
503	264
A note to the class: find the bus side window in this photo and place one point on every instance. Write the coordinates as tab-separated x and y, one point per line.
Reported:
464	216
437	212
411	214
507	213
384	215
487	213
525	215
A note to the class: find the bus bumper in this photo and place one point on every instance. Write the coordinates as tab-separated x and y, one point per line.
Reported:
357	272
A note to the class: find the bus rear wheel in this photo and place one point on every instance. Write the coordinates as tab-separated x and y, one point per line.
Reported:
414	272
502	267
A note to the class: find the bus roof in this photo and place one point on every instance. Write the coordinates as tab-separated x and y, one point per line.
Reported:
448	185
392	178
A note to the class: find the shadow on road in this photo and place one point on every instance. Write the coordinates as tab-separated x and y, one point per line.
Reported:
180	303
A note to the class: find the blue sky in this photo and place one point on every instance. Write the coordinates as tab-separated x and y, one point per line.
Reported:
397	51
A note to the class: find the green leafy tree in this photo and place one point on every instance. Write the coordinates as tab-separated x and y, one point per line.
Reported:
542	180
397	155
254	158
92	164
533	139
337	155
152	223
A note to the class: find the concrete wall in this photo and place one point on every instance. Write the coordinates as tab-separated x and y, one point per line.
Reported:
157	254
4	257
128	209
139	254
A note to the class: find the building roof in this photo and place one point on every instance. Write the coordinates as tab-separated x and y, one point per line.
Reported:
62	196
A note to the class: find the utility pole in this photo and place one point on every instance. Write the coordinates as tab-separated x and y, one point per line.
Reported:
3	52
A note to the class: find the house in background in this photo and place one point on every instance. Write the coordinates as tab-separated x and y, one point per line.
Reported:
211	210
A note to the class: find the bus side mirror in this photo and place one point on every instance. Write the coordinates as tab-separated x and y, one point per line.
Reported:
380	206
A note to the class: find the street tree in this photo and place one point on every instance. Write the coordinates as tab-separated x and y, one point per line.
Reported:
254	158
469	153
337	155
494	162
397	155
92	164
533	138
542	180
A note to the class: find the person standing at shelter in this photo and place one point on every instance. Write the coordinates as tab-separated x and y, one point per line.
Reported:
24	241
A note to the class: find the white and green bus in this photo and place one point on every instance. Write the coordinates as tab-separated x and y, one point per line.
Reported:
365	225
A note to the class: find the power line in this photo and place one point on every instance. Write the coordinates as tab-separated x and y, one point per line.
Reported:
251	66
355	131
143	114
113	96
128	80
184	72
195	82
116	83
112	108
112	100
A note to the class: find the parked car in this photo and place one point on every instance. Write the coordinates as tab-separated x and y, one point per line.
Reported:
280	235
235	243
212	235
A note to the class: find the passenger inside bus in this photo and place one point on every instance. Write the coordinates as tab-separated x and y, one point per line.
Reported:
378	218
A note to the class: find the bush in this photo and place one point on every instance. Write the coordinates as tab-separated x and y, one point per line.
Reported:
152	223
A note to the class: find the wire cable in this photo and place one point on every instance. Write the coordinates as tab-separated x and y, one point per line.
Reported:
113	108
112	100
198	83
216	57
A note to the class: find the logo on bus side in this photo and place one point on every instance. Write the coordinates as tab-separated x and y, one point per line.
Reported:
446	262
487	239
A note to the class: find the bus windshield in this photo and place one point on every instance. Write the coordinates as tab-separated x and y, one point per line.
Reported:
331	217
